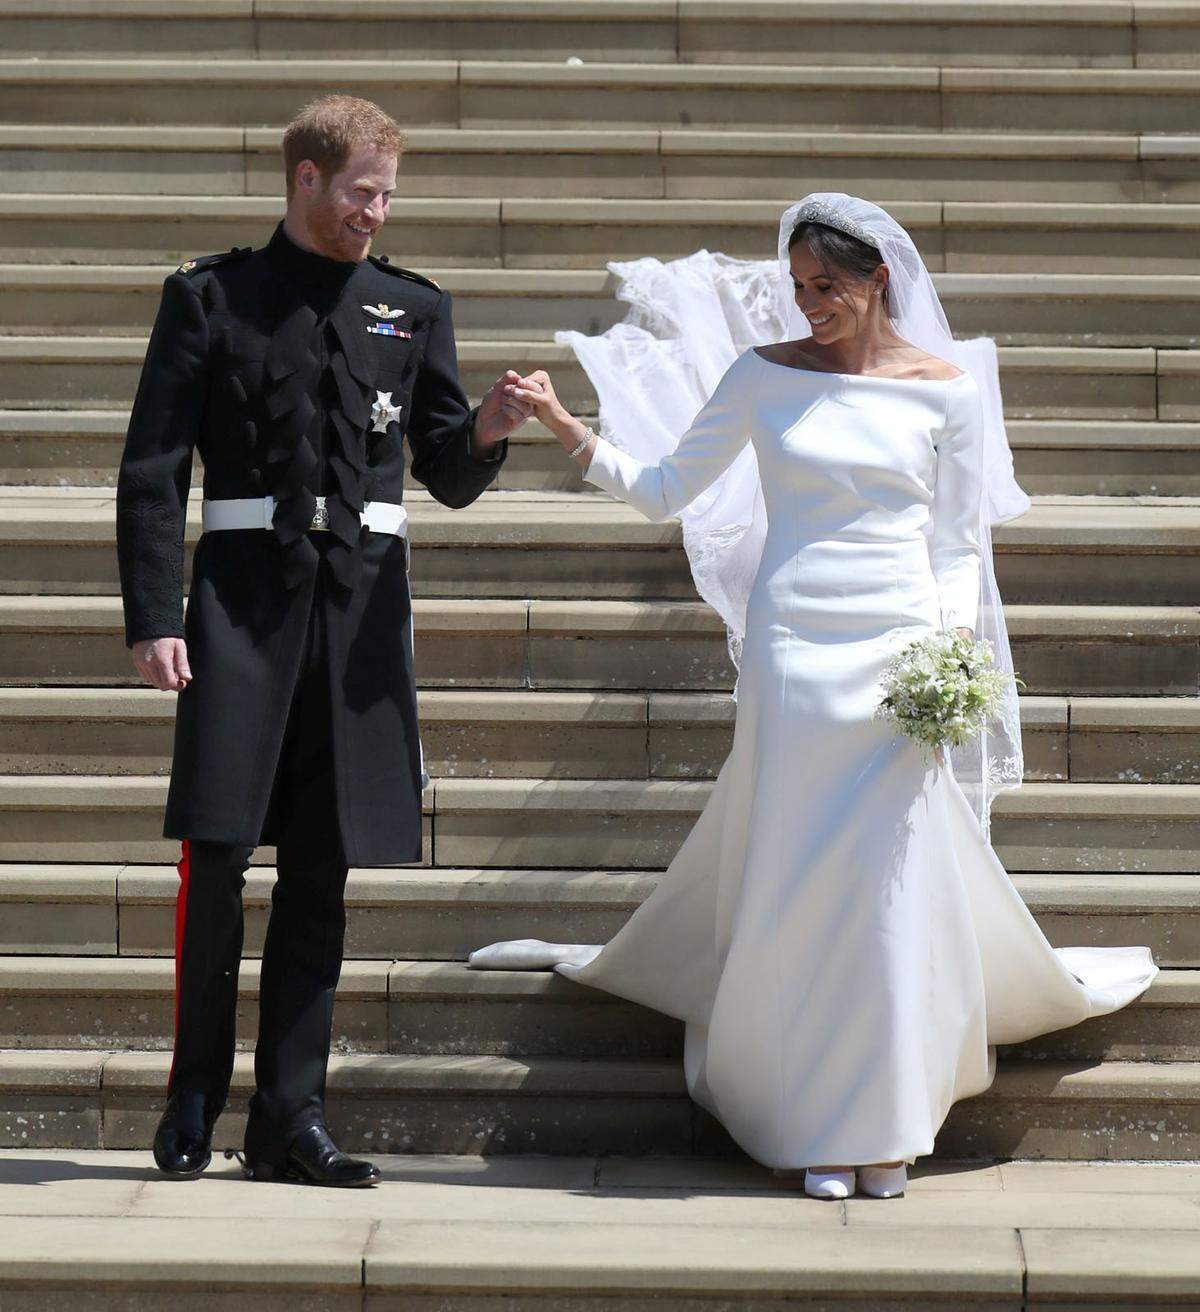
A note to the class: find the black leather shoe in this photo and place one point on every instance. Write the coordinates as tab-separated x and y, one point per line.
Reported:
183	1140
313	1158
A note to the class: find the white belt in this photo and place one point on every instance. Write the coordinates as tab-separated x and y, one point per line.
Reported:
259	512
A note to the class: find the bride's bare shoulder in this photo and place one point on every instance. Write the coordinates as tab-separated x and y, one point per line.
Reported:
936	369
929	368
912	363
791	354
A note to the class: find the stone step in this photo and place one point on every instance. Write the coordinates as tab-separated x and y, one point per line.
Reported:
430	1010
82	448
1131	739
60	640
97	245
497	734
638	825
1111	33
93	1228
554	178
625	824
615	645
445	1008
1022	169
1099	383
649	30
106	236
442	915
102	818
515	93
1075	458
515	544
1016	309
423	1104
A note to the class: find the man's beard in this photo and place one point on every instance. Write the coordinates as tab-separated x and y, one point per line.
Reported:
332	235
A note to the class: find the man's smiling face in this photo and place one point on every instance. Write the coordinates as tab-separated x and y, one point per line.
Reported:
343	213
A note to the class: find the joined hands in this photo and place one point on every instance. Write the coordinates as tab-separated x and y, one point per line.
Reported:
501	413
537	391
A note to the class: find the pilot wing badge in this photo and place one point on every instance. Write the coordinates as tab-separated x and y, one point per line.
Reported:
385	327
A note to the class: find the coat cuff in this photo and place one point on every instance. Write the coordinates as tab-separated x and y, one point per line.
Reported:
150	632
499	451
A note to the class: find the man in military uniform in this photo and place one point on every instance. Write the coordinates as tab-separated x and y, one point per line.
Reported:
296	371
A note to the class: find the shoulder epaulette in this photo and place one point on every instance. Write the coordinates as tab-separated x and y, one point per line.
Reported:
381	262
207	261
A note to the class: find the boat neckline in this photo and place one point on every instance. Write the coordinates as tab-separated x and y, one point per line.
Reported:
831	373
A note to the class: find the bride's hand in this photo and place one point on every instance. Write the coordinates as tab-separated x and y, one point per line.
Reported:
537	390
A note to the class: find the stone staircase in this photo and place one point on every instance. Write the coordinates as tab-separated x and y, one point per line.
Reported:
573	688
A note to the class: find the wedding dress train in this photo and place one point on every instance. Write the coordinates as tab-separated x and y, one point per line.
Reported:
841	941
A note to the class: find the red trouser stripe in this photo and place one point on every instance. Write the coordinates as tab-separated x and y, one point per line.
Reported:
181	903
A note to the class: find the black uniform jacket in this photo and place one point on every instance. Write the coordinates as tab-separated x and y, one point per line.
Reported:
268	364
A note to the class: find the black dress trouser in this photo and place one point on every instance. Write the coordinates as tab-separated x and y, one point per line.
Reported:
302	955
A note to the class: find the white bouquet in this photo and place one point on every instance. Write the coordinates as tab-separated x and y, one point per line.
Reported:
942	689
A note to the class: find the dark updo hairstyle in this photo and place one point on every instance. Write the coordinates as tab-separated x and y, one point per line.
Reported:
838	250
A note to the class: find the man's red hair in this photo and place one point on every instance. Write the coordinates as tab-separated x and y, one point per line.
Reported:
330	129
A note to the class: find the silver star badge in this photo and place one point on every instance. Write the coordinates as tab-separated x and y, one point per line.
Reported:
383	412
382	311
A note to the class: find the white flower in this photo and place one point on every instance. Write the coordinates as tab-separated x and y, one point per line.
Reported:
942	689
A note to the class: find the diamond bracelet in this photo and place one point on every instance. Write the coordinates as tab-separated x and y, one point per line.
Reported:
588	434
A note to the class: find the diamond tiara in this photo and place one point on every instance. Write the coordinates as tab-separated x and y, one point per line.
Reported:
818	211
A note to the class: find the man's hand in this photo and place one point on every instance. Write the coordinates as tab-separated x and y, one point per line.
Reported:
163	663
499	415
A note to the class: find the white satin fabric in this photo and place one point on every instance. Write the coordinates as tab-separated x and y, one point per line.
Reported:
688	320
840	939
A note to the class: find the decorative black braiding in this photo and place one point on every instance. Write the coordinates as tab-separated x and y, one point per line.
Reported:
291	373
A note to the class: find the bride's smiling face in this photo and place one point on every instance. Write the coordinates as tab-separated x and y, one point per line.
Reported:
836	303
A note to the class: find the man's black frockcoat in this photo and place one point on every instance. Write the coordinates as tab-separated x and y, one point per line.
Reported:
264	362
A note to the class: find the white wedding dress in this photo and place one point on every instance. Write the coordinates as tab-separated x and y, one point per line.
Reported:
840	939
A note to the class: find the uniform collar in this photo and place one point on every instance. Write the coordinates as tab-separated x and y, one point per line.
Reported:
309	273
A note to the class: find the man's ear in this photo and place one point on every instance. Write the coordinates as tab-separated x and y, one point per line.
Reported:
308	177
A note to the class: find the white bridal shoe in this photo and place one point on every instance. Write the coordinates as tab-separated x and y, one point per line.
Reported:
883	1181
829	1184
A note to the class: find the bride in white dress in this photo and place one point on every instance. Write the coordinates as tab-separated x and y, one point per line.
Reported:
841	941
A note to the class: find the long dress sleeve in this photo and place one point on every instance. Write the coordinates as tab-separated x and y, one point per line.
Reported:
712	443
442	423
156	466
954	546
